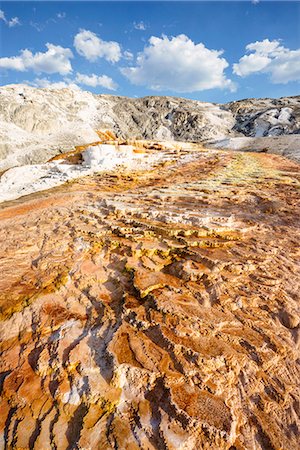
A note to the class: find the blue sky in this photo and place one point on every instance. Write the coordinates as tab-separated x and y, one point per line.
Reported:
188	49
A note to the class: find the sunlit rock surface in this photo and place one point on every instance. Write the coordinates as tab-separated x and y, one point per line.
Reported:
84	160
154	309
37	124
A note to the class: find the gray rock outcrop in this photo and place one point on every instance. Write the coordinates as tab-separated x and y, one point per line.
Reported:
36	124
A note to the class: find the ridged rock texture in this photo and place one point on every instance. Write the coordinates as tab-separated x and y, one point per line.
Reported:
156	309
37	124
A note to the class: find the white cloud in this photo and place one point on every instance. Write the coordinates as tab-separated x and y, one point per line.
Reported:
55	60
265	47
282	64
87	80
61	15
180	65
128	55
13	22
95	80
38	26
10	22
139	26
46	83
89	45
250	64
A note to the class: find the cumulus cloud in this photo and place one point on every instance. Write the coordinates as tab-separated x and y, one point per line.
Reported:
250	64
89	45
95	80
87	80
139	26
55	60
46	83
282	64
180	65
10	22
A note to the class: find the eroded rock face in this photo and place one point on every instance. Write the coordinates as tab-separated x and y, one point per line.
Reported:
266	117
154	309
37	124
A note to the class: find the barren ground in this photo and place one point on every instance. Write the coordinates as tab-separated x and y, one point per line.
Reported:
154	310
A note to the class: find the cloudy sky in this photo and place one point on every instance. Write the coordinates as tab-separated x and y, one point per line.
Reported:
211	51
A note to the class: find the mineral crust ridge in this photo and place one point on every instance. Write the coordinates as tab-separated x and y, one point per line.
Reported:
154	307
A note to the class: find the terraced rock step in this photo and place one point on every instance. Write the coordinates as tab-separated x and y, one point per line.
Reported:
154	309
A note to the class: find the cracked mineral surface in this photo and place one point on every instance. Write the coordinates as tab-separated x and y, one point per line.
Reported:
154	309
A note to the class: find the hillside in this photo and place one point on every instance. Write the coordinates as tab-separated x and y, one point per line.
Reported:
36	124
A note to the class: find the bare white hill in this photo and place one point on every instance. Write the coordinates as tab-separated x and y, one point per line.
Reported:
36	124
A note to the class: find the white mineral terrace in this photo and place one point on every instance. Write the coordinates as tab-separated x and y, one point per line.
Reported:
24	180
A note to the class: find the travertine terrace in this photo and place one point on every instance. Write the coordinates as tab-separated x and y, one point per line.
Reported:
37	124
154	309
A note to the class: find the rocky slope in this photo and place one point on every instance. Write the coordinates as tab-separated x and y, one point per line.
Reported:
154	309
36	124
285	145
266	117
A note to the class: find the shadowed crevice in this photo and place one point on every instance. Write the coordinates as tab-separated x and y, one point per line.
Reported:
75	426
